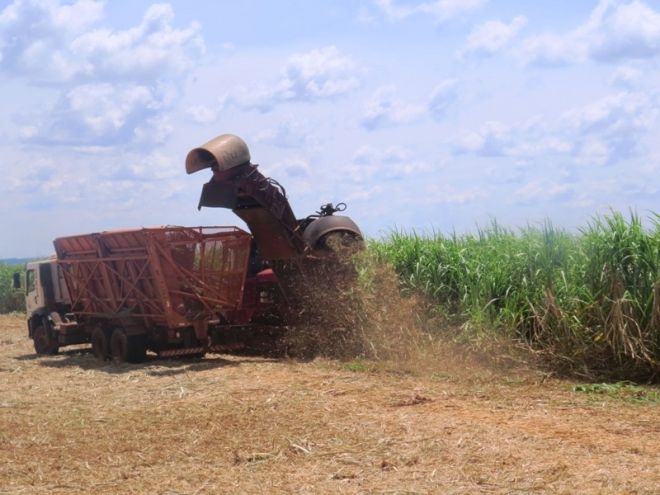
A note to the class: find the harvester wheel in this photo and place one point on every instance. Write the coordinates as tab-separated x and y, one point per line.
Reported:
44	343
100	344
127	349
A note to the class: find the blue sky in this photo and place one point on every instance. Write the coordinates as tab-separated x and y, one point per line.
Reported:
424	114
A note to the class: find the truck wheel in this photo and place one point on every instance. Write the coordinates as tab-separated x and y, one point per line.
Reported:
44	343
100	344
127	349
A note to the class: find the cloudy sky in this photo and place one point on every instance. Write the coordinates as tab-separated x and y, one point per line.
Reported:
425	114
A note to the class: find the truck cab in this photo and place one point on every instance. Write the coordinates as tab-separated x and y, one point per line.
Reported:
46	302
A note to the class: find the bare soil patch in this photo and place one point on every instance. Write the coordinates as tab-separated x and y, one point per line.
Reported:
230	424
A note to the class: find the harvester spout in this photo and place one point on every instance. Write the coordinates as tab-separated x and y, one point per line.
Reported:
220	153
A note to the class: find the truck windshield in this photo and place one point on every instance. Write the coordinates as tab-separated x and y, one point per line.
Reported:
29	281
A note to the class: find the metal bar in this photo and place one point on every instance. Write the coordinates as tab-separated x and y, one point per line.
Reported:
159	277
187	276
105	278
201	297
132	284
86	284
142	280
72	261
113	314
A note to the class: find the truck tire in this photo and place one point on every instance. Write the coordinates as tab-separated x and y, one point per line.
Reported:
44	341
100	344
127	349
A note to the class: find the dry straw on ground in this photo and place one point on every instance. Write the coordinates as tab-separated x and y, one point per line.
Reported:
227	424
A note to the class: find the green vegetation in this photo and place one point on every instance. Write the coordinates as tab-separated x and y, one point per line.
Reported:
621	390
10	300
588	301
357	367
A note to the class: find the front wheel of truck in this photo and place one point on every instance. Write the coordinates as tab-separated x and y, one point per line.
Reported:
44	341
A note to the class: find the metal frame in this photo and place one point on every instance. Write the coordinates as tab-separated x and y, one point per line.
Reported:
167	276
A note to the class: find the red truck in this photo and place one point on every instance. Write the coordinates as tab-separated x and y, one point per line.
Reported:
172	290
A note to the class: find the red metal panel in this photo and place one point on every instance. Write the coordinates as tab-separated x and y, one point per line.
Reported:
168	276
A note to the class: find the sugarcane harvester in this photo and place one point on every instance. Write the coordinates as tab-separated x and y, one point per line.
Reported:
185	291
302	252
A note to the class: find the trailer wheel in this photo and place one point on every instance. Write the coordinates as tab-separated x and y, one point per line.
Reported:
44	343
127	349
100	344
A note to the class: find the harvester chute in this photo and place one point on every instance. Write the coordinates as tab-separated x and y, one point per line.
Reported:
262	203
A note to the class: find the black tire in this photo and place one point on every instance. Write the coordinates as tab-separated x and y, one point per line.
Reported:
100	344
127	349
44	341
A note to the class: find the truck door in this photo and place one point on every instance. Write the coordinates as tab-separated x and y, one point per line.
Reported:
46	284
32	300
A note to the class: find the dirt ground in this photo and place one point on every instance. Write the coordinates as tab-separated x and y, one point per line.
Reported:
229	424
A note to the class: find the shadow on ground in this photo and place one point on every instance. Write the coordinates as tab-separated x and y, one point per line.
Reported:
153	365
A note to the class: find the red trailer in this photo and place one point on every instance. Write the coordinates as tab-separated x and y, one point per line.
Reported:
173	290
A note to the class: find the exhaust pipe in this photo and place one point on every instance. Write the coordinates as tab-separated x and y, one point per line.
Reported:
221	153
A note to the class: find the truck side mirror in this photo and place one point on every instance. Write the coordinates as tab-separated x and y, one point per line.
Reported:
17	280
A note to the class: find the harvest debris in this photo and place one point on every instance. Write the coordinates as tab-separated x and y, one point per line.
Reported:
70	424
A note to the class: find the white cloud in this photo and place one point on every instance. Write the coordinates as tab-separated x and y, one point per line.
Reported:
593	150
442	97
439	10
391	155
610	128
155	165
114	85
104	114
295	167
41	17
34	36
289	133
491	139
104	108
384	110
644	182
150	50
51	42
492	36
319	74
448	194
153	130
392	162
202	114
315	75
615	30
64	177
603	132
543	190
625	77
364	193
